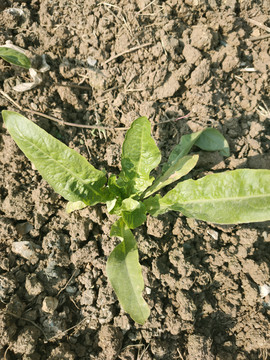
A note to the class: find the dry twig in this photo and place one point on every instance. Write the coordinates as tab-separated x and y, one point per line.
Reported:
62	122
28	320
77	86
67	330
135	48
263	110
59	121
11	100
260	25
152	2
180	355
140	357
260	37
75	273
173	120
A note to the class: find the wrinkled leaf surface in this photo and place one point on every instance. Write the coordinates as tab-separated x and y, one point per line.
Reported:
140	155
238	196
133	213
66	171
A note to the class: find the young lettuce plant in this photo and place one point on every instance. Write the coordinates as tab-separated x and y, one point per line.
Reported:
231	197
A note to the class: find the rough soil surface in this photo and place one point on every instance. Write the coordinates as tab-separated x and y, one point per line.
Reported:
204	58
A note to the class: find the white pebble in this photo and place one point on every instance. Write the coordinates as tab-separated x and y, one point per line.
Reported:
264	290
49	304
26	250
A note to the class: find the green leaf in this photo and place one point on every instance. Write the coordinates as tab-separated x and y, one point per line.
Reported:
140	156
232	197
133	213
208	139
115	188
66	171
116	195
111	204
212	140
153	206
15	57
73	206
125	275
179	168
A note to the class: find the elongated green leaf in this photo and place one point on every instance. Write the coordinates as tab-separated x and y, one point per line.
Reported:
125	275
15	57
133	213
140	156
232	197
66	171
208	139
176	171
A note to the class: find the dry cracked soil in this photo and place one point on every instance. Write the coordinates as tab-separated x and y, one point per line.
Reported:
111	62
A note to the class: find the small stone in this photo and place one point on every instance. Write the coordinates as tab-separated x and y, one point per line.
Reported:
68	95
33	286
91	61
264	290
213	234
106	315
49	304
25	249
71	289
171	45
255	129
148	290
24	228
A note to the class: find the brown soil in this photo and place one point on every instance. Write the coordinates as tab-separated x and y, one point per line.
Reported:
202	280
